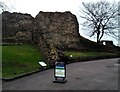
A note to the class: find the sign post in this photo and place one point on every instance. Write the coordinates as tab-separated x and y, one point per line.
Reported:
60	72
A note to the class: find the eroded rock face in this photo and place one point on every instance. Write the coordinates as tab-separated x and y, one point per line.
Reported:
16	27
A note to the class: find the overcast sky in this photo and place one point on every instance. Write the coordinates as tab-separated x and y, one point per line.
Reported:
34	6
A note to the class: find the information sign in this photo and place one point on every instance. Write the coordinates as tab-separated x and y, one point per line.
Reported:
59	69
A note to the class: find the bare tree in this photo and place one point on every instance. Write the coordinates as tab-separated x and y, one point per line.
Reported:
3	7
100	18
9	6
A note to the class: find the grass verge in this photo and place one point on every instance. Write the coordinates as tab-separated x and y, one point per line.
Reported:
88	56
76	54
19	59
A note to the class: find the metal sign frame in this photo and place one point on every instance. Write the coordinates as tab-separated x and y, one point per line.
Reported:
60	72
60	67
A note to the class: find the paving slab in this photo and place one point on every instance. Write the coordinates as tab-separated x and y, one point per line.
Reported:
92	75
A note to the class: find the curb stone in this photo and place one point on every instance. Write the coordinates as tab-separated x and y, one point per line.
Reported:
22	75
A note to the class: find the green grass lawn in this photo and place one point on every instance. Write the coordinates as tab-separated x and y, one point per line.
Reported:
76	54
19	59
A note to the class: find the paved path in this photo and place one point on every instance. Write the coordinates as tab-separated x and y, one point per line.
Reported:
93	75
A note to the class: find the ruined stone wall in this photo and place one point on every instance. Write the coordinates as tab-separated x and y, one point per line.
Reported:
51	31
60	28
16	27
57	31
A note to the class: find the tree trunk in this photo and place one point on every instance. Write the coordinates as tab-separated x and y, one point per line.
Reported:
98	36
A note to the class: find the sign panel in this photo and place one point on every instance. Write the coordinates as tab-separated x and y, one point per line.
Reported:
42	63
59	69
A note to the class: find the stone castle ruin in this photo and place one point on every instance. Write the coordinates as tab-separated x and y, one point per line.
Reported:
58	28
16	27
52	32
